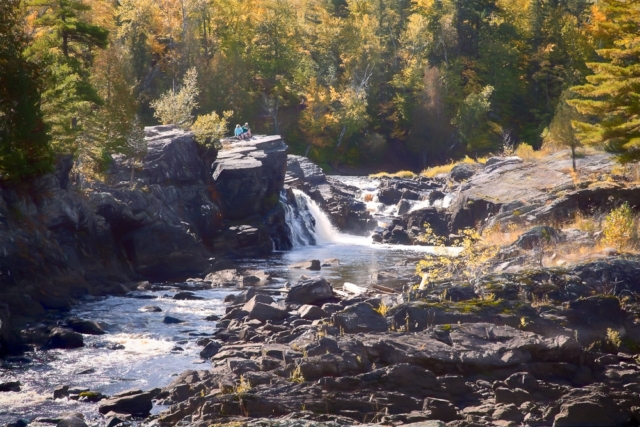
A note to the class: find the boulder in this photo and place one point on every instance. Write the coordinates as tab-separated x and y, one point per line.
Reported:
263	312
61	391
360	317
389	195
133	402
539	236
310	291
210	350
72	420
229	277
586	414
87	327
10	386
312	312
403	206
151	309
440	409
170	320
313	265
64	338
186	295
462	172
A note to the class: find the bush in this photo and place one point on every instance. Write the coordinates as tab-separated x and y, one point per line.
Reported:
619	229
209	128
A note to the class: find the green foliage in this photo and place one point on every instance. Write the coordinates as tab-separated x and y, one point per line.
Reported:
473	124
24	142
209	128
610	97
176	107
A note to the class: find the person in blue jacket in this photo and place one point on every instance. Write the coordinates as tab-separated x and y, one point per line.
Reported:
238	132
246	130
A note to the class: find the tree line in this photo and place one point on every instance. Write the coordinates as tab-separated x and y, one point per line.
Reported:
344	81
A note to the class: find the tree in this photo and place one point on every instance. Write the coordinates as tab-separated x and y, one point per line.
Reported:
63	18
472	121
611	96
64	48
561	132
176	107
24	142
136	145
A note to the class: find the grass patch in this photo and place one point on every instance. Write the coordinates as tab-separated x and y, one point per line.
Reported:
528	154
399	174
436	170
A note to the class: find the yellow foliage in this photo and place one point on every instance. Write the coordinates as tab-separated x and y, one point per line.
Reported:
474	259
619	230
436	170
383	309
528	154
400	174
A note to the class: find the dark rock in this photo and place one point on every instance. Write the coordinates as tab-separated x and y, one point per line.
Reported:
435	195
133	402
64	338
312	312
212	318
586	414
462	172
72	420
61	391
539	236
10	386
186	296
169	320
440	409
360	318
151	309
87	327
263	312
249	176
508	413
313	265
410	195
210	350
389	195
516	396
403	207
522	380
310	291
331	308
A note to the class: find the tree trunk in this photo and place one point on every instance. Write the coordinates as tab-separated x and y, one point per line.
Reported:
344	129
573	157
306	153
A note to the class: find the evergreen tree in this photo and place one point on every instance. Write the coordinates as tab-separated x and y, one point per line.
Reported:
612	95
24	142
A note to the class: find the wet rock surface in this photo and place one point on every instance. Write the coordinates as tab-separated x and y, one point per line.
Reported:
425	360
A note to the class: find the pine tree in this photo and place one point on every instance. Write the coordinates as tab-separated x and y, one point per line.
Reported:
24	142
612	96
63	18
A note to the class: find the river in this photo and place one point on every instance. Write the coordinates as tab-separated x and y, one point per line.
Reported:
140	351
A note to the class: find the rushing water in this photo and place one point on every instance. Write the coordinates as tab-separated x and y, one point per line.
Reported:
149	353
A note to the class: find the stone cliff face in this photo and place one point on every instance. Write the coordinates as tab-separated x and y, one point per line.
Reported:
61	239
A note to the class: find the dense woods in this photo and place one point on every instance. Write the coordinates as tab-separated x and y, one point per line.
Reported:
345	81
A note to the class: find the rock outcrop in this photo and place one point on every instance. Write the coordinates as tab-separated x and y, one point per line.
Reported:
63	236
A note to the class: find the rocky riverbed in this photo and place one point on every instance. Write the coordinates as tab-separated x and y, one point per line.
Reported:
337	333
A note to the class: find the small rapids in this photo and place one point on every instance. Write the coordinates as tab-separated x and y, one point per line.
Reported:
139	351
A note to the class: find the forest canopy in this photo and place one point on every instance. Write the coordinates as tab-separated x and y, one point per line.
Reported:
356	82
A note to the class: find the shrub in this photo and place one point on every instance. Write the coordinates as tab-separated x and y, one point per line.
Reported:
619	229
436	170
528	154
176	108
400	174
209	128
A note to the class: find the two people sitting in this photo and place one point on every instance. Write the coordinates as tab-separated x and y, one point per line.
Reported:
242	132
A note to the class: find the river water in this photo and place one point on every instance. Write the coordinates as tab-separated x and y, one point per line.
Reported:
140	351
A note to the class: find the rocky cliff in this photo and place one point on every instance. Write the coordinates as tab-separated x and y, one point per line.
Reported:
63	236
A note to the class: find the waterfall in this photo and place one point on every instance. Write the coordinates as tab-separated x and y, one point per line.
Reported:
299	220
309	225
